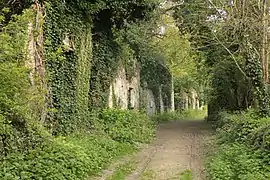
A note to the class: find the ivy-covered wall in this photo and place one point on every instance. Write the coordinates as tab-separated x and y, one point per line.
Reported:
124	91
75	51
21	95
68	54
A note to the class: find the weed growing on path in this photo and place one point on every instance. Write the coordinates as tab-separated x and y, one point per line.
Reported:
186	175
123	170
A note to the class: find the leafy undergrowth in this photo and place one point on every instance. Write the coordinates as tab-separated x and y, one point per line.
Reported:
149	175
241	148
189	114
127	126
65	158
186	175
80	156
122	171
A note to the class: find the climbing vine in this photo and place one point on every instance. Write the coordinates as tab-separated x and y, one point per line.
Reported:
86	44
74	50
68	59
18	130
254	72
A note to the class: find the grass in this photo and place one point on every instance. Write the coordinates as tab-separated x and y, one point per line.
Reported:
148	175
240	148
186	175
190	114
123	170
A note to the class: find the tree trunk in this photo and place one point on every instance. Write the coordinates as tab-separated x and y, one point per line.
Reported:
161	100
193	99
172	96
264	50
186	101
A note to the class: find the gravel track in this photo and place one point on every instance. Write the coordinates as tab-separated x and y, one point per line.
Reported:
178	147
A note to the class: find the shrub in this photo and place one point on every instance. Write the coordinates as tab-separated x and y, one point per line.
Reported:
74	157
167	116
260	137
238	162
190	114
243	142
18	100
243	128
127	126
78	156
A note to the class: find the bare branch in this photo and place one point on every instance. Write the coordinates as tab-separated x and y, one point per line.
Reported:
231	54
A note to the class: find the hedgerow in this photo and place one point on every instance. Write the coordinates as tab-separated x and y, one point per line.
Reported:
40	115
79	156
73	157
127	126
237	161
180	115
242	148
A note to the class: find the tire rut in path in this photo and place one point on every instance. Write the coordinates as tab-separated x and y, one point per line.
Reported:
178	147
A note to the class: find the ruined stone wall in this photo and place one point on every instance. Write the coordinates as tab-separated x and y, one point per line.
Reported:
125	93
151	105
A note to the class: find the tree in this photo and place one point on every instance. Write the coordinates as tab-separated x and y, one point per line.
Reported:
228	32
179	58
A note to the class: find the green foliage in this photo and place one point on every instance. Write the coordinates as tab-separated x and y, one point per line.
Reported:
82	155
72	157
28	151
153	70
242	147
230	89
231	50
191	16
189	114
68	52
106	60
181	55
254	72
120	10
176	50
186	175
84	44
237	161
244	128
122	171
18	131
119	43
127	126
14	36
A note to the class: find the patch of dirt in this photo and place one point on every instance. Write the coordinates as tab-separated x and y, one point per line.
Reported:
110	171
178	147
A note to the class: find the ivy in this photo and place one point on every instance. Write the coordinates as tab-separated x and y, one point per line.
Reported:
104	67
84	44
19	102
81	69
68	60
253	66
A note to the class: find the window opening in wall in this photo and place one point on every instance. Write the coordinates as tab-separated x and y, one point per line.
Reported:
130	105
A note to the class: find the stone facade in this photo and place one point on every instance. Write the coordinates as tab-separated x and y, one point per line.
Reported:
125	93
128	94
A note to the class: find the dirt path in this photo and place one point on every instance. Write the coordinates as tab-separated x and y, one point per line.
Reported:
178	148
